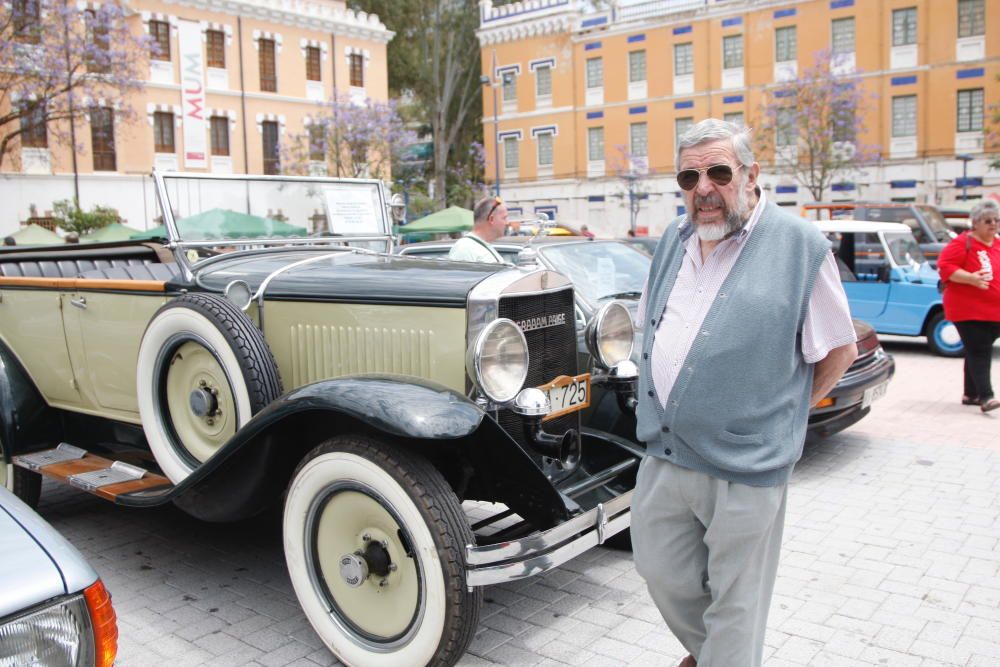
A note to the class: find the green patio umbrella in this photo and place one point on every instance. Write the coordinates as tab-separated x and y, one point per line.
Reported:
451	219
35	235
220	223
116	231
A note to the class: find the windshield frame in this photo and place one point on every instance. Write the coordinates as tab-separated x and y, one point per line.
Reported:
181	247
935	221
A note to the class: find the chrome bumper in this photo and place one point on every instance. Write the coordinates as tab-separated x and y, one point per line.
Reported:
517	559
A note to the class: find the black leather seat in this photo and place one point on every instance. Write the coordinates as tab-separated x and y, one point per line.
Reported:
134	272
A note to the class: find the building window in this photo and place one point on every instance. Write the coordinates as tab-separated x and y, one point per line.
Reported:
313	70
904	26
638	140
971	18
33	129
317	143
595	72
160	32
904	116
268	71
544	149
269	143
785	44
357	70
732	52
511	159
843	36
27	15
97	58
215	48
636	66
683	59
543	81
102	138
970	110
682	125
595	144
220	135
734	117
784	130
163	132
508	87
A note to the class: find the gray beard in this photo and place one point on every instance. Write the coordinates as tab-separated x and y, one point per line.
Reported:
736	219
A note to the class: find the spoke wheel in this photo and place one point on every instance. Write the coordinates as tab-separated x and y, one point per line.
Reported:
375	541
204	370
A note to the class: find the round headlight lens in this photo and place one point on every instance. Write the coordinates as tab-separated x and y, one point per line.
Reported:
498	362
610	335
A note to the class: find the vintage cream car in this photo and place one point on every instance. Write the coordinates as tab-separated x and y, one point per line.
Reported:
381	399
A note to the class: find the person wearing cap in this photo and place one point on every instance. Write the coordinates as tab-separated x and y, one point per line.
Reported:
746	325
489	223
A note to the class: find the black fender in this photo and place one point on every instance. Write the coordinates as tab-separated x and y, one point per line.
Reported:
27	423
476	455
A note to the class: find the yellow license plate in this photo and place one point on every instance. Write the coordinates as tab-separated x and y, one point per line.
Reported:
567	394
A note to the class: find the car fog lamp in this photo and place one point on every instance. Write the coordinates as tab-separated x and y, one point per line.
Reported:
610	335
498	361
60	634
239	294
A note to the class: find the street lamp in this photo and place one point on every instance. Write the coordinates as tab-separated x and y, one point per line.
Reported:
964	157
486	81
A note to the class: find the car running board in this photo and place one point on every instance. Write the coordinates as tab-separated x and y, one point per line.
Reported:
112	480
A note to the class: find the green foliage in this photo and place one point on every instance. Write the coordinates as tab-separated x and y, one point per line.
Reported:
434	70
72	218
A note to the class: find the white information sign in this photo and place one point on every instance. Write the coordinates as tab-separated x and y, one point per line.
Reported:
353	209
193	94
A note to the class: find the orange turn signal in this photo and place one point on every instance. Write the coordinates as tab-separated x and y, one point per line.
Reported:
826	402
105	623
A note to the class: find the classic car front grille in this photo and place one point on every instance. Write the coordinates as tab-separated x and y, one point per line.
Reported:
551	351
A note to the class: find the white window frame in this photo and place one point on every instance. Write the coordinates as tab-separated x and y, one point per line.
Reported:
511	158
642	139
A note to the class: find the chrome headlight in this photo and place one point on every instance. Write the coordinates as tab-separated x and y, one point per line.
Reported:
498	361
610	335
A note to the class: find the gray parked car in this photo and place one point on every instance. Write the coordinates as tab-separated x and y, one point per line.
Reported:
54	610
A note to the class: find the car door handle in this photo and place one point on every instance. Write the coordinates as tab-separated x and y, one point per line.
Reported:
79	303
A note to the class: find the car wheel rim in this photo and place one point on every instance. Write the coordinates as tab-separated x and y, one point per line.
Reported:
198	400
947	336
363	566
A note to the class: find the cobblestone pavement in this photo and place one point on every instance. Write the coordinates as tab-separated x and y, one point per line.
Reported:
890	558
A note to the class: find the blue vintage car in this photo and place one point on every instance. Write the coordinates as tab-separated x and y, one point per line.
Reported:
889	282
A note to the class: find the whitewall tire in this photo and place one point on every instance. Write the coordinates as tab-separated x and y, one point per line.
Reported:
375	540
204	370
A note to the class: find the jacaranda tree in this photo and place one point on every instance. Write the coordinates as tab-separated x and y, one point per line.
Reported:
58	60
814	126
349	139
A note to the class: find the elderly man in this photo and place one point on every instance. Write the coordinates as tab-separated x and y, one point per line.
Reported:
746	326
489	224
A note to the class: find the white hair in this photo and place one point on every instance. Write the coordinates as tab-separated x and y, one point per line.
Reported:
713	129
982	209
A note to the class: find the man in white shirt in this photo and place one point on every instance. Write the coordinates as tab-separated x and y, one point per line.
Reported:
490	222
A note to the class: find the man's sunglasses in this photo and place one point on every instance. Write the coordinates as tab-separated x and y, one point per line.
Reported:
496	202
720	174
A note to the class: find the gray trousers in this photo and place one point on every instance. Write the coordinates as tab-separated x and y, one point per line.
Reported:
708	550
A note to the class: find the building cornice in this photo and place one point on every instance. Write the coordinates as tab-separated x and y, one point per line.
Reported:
307	14
525	19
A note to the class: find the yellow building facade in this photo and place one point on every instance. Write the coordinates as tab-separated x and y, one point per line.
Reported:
262	70
580	101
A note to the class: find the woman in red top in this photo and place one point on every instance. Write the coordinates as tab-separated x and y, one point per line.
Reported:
972	299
